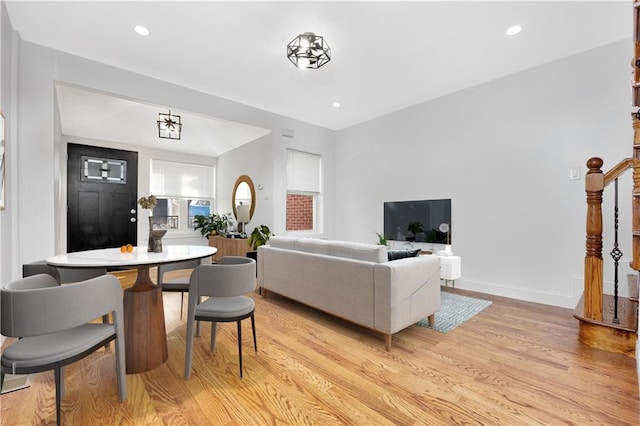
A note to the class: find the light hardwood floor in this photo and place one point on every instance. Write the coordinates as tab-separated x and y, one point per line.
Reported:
515	363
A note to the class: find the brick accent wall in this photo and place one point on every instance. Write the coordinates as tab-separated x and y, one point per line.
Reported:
299	212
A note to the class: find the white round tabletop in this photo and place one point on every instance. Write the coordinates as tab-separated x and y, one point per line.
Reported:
113	257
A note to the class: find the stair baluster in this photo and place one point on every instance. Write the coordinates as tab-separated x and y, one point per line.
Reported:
616	254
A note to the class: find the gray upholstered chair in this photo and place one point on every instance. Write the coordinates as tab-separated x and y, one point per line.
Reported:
53	325
226	284
64	275
40	267
180	284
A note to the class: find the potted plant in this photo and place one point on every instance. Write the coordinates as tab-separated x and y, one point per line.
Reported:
259	237
214	224
382	239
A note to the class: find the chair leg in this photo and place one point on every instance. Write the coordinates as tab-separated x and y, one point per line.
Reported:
240	345
62	388
189	351
214	335
1	380
253	327
58	391
105	320
181	303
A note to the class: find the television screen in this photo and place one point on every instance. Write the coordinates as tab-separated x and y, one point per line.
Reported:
418	221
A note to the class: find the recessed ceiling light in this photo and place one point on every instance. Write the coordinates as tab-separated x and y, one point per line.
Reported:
143	31
513	30
336	104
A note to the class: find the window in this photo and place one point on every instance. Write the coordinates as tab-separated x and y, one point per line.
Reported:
183	191
304	195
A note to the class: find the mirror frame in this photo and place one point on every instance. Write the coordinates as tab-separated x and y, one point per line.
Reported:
252	189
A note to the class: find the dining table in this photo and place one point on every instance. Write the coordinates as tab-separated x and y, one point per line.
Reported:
145	333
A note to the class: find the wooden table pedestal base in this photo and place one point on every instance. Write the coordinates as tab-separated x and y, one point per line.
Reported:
144	328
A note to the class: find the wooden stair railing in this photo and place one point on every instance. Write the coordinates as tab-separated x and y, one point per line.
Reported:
608	322
595	183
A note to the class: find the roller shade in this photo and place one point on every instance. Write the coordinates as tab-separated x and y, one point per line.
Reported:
171	179
303	171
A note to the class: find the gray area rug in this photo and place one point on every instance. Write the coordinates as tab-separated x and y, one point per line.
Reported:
454	310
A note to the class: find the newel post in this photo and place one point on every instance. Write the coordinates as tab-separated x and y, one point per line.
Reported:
593	281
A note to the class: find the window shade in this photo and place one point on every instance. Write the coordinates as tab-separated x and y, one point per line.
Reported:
170	179
303	171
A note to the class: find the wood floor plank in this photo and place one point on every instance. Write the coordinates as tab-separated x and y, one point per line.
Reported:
515	363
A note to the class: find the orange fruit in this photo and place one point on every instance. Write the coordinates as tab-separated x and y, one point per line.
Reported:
129	248
123	249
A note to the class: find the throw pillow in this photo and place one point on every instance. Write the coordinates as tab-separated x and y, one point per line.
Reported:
402	254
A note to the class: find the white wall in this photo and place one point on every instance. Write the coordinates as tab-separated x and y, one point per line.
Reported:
8	99
502	152
39	171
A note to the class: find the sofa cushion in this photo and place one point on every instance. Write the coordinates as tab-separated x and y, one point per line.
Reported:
402	254
358	251
282	242
312	245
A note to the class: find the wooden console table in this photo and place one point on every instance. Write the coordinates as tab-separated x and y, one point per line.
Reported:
229	246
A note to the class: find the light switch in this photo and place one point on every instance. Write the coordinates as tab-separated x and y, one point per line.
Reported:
574	173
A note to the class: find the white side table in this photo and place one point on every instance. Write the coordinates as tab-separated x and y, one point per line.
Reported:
450	269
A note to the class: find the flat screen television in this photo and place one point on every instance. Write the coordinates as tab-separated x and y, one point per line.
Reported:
418	221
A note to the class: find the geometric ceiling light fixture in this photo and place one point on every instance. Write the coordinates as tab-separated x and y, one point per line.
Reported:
308	51
169	126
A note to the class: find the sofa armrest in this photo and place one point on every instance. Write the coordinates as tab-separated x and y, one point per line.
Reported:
406	291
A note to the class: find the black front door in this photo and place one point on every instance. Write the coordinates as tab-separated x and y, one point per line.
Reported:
102	193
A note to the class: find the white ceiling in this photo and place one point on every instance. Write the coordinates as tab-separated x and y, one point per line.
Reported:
385	55
94	115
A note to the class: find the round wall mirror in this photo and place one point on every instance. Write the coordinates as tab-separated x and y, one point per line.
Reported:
244	194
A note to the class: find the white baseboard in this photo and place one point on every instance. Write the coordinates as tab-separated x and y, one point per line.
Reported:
553	299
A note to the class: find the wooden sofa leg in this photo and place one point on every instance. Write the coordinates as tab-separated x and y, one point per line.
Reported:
432	320
263	292
387	342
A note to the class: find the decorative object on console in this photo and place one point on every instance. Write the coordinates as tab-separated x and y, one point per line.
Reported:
382	240
243	218
169	126
308	51
444	228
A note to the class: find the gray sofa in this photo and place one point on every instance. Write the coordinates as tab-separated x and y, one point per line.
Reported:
353	281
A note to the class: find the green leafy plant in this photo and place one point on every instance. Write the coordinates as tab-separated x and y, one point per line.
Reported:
213	224
381	239
259	236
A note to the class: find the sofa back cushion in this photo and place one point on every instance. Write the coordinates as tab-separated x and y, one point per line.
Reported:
358	251
346	249
282	242
312	245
